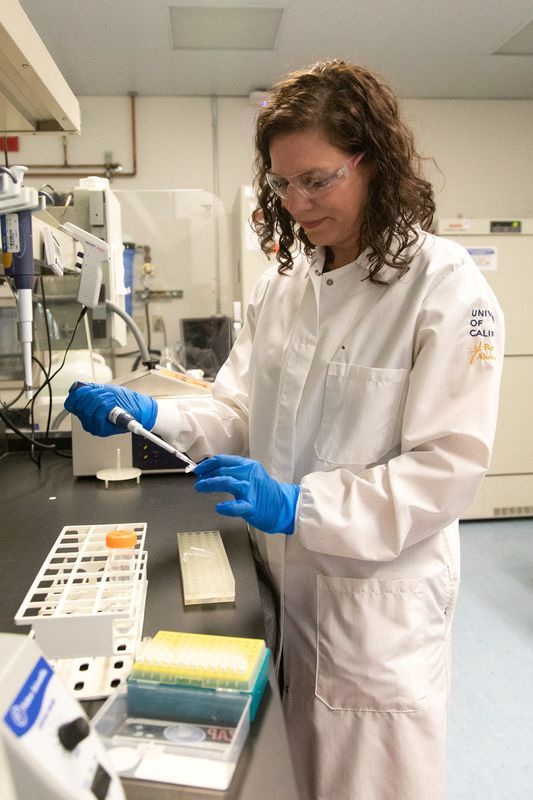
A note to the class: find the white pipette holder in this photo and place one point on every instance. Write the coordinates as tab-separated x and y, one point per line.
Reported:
118	472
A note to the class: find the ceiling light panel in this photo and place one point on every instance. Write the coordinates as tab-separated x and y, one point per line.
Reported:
224	27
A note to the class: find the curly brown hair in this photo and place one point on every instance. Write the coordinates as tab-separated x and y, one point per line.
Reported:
357	113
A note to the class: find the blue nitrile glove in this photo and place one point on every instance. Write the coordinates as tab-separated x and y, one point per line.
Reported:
92	402
262	501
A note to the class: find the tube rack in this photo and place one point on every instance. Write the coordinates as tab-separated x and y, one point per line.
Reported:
205	570
86	617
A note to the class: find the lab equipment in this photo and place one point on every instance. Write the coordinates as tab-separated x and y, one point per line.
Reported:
53	751
83	619
85	365
191	697
205	570
262	501
206	343
94	254
175	661
129	260
175	227
189	751
14	196
96	212
90	454
21	271
16	204
118	472
91	402
92	219
503	250
23	236
121	544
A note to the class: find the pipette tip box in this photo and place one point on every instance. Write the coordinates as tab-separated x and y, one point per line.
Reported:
177	671
187	709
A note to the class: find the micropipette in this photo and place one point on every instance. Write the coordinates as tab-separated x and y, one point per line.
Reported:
117	416
122	419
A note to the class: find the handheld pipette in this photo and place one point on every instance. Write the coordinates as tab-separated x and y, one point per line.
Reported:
117	416
122	419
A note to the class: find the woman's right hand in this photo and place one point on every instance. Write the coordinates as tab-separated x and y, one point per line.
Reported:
92	402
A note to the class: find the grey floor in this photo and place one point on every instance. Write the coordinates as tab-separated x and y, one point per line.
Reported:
491	723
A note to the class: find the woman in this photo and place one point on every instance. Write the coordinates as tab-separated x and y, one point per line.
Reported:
357	389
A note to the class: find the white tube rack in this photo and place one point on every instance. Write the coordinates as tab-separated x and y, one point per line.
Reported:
86	617
205	570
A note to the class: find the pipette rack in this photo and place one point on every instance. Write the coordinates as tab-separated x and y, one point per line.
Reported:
86	618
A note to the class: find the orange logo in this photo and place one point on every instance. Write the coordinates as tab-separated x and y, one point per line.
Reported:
483	352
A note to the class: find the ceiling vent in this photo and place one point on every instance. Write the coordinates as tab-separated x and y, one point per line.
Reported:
521	44
225	27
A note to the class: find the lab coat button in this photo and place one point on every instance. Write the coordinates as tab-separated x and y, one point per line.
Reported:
329	282
317	272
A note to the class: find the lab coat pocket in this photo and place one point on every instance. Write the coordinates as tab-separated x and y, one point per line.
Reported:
361	409
370	644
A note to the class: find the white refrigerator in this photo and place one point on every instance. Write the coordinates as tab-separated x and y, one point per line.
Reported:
503	250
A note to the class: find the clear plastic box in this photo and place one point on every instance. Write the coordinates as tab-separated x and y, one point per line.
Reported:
199	750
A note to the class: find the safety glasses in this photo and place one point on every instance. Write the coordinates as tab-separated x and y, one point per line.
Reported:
313	184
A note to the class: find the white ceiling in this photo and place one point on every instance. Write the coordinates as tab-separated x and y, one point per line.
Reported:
423	48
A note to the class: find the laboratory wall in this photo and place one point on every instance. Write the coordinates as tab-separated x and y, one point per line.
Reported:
482	147
483	159
483	151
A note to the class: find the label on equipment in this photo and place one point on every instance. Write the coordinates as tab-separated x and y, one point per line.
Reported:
506	226
26	708
486	257
10	233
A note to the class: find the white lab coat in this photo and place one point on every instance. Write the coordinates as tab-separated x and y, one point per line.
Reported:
381	401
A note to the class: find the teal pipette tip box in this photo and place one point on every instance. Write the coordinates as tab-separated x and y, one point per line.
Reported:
180	675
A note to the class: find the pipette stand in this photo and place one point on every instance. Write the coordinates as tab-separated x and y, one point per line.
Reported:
118	473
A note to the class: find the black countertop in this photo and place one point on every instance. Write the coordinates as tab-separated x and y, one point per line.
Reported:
37	504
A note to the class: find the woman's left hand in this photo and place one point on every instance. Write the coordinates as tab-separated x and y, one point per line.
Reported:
262	501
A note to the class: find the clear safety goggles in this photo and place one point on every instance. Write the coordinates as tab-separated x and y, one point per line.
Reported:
313	184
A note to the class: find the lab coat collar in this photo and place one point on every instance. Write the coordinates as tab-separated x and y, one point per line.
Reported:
387	274
319	255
